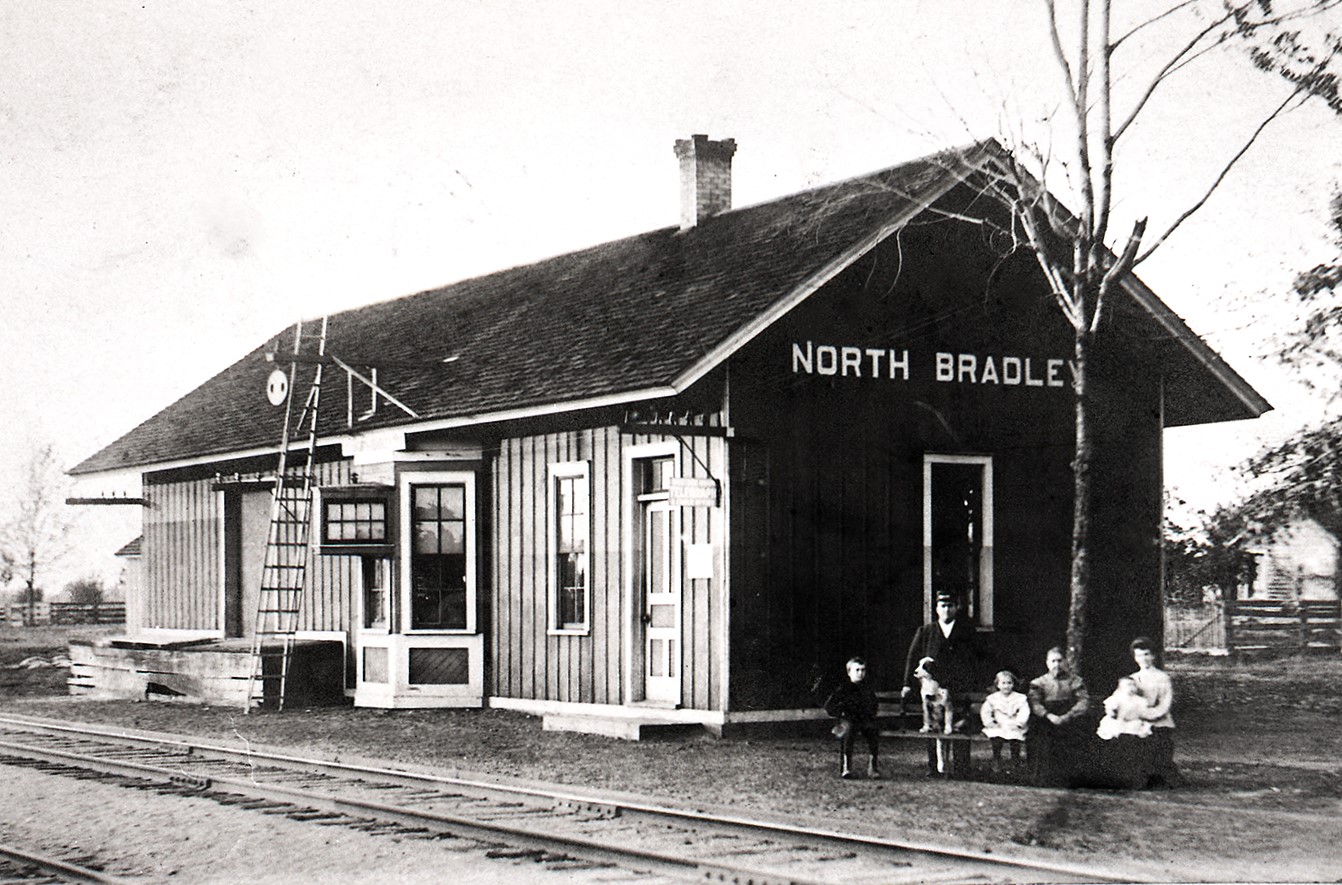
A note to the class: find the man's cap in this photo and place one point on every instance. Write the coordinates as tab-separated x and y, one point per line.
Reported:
946	596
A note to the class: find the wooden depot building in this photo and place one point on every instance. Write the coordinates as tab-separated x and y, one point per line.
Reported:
682	476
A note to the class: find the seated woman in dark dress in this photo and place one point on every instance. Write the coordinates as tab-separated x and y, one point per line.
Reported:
1058	733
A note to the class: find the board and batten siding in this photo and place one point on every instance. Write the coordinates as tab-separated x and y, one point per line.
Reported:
183	571
331	581
531	663
181	556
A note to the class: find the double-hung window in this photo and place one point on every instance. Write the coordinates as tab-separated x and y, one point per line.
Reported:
570	551
439	558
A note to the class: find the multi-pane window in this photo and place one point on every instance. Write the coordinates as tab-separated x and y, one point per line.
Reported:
571	549
375	596
356	521
438	597
570	529
655	474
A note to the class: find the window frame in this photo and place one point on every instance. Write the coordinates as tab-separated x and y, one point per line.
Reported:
555	473
406	483
361	494
378	568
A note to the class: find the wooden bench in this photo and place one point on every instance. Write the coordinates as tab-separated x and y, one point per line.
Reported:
903	722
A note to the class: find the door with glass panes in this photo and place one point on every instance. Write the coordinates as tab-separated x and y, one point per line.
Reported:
661	607
658	580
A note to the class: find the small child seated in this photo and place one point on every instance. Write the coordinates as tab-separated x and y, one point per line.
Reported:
854	704
1123	712
1006	717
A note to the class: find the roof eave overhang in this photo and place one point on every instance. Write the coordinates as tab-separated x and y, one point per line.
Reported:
1254	403
349	440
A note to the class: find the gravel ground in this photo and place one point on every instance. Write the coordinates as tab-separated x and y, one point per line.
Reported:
147	837
1258	746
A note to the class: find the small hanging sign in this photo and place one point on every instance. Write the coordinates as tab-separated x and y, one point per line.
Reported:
692	491
277	387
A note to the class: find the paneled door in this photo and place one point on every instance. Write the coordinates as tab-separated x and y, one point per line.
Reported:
661	607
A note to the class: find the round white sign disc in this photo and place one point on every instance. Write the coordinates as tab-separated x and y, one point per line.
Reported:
277	387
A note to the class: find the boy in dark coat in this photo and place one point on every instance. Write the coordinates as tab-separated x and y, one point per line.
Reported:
854	704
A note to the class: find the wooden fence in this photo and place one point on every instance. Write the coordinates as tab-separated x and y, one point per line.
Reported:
88	613
17	614
1200	628
1283	625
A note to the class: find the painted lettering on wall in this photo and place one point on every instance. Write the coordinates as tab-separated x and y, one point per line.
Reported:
828	359
847	361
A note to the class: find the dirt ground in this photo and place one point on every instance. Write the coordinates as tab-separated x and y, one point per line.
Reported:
1257	742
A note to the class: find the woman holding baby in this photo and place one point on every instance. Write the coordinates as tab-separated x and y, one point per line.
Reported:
1138	728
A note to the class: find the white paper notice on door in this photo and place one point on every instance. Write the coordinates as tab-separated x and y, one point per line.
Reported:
699	562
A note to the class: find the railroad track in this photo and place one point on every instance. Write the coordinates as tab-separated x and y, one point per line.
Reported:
563	828
20	866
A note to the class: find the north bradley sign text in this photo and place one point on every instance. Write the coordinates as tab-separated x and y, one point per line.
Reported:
846	361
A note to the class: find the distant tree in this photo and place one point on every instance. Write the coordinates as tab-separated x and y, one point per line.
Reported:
37	534
1210	556
1300	44
1314	344
87	590
1306	51
1301	477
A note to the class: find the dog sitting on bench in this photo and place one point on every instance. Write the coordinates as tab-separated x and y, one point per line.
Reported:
938	711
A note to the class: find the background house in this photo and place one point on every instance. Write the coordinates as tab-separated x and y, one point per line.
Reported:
1298	560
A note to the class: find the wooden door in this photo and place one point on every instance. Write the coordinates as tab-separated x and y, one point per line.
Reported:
661	606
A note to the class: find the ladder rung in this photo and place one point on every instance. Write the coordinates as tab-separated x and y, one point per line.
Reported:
283	575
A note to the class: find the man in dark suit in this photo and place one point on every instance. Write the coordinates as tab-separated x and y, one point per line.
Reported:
951	642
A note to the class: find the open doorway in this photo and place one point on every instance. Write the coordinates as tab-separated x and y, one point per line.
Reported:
958	532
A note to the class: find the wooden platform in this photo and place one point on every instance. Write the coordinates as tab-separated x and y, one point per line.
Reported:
200	671
622	727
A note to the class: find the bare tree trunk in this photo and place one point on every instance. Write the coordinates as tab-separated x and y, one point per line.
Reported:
1081	491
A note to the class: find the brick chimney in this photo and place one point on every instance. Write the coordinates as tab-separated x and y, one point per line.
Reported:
705	178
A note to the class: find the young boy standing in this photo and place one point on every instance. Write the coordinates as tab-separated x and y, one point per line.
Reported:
854	704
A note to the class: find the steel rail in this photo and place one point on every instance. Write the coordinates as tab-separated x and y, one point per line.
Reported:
456	825
600	804
65	870
555	792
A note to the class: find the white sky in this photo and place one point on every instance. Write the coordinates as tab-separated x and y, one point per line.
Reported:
182	180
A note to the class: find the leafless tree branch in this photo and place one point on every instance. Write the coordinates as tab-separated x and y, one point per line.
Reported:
1296	95
1163	74
1151	21
1060	55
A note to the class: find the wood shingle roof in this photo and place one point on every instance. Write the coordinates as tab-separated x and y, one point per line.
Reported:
639	317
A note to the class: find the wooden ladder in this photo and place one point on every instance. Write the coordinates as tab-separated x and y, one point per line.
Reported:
282	576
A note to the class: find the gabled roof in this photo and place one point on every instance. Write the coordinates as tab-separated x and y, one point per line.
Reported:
629	320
